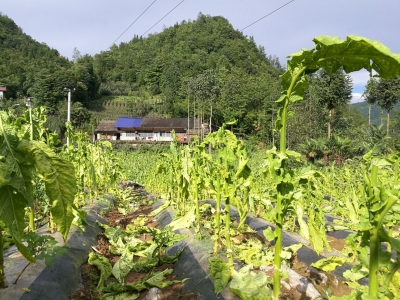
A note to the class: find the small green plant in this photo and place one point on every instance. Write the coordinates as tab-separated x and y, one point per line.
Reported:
43	247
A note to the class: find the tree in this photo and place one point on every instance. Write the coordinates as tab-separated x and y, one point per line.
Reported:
76	55
331	91
385	93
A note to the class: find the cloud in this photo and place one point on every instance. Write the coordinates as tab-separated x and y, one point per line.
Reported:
360	78
356	97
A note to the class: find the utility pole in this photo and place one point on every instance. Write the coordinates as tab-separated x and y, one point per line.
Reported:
69	109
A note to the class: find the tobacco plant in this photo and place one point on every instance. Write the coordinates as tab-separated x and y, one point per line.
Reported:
330	54
230	171
97	167
20	160
380	201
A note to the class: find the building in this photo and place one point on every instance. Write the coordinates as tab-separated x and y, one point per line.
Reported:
150	129
3	89
106	131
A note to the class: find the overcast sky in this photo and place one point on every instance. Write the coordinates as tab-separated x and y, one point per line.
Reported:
93	25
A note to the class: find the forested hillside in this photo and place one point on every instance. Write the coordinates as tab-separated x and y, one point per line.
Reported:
30	68
205	62
204	68
375	113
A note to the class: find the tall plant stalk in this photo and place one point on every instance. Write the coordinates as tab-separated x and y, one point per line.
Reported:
217	210
3	283
32	208
229	251
374	243
330	54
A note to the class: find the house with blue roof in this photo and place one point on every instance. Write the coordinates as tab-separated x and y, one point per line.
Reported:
149	129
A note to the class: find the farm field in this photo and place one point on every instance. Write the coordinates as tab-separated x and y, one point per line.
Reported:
323	233
211	219
328	222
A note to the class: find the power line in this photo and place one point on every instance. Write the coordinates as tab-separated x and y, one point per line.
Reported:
163	17
266	15
132	24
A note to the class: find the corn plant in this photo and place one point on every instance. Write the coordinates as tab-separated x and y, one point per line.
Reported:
330	54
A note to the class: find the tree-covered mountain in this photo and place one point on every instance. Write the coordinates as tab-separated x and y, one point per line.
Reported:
30	68
206	62
377	118
204	68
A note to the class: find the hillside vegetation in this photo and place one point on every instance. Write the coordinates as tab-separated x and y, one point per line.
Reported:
363	109
205	62
203	67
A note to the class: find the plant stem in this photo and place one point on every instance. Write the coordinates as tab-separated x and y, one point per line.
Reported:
278	247
374	262
279	218
374	243
229	252
3	283
196	200
52	226
31	219
217	213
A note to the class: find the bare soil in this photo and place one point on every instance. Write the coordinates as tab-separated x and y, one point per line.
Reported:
336	243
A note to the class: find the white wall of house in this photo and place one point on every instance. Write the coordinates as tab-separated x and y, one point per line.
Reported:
127	136
147	136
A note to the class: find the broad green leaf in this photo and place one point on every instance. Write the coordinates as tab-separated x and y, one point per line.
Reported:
102	263
24	251
160	209
59	178
170	259
353	54
293	248
256	255
356	273
294	154
220	274
123	266
112	233
249	285
330	54
148	251
316	238
158	279
329	264
184	222
12	213
269	234
303	225
145	265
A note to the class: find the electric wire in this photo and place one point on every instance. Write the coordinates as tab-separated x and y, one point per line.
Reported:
163	17
266	15
132	24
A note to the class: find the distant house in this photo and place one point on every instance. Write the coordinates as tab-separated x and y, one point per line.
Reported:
128	127
161	129
2	90
148	129
106	131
